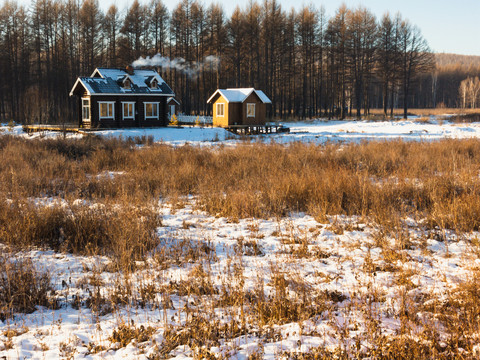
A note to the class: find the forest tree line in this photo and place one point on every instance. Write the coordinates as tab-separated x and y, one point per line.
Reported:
308	64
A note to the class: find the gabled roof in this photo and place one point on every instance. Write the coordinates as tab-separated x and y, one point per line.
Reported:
172	98
105	81
239	95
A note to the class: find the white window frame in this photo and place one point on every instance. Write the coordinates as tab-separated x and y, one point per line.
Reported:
223	110
145	110
109	116
250	105
88	107
128	117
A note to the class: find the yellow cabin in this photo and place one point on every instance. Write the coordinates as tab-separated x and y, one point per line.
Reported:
243	106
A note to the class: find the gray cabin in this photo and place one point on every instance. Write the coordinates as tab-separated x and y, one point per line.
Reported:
118	98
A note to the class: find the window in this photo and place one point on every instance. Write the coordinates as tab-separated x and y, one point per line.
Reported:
154	84
106	109
172	110
151	110
127	84
85	109
128	109
250	110
220	109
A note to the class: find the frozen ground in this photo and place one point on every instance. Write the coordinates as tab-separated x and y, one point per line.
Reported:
365	280
318	131
342	258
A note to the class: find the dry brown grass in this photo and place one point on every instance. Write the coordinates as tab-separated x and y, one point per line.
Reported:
382	180
23	287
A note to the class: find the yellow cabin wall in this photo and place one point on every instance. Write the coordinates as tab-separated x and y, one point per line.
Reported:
221	121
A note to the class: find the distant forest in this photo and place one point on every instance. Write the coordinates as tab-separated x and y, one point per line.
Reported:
308	64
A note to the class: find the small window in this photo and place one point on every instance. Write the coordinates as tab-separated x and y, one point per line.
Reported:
220	109
154	84
86	109
106	110
128	110
127	84
151	110
250	110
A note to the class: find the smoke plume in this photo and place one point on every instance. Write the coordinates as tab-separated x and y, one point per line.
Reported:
209	63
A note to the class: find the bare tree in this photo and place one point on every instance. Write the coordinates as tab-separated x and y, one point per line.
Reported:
111	25
91	19
159	21
416	58
361	46
133	29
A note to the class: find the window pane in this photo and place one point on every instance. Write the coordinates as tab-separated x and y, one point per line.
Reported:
128	110
219	109
148	109
86	112
106	110
103	110
151	110
251	110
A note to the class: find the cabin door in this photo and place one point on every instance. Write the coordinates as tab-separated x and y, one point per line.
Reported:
86	120
172	110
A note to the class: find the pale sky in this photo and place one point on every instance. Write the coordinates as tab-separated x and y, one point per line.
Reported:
451	26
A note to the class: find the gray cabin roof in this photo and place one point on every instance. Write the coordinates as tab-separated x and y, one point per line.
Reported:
104	81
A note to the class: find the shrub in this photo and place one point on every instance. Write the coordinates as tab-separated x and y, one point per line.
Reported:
22	287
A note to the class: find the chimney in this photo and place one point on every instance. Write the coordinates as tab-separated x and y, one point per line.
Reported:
129	70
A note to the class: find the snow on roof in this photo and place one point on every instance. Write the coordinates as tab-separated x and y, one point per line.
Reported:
108	81
240	94
263	97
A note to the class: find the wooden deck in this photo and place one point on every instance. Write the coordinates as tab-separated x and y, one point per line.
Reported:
256	129
60	128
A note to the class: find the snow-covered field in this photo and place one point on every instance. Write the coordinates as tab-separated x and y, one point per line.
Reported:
318	131
336	283
342	260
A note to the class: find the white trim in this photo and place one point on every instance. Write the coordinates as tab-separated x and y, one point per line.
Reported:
130	94
223	110
99	73
132	117
250	104
100	110
150	85
173	99
89	109
215	93
145	110
123	82
75	85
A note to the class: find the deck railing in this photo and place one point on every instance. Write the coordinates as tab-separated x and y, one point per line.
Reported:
195	119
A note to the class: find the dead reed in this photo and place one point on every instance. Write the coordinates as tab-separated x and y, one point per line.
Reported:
383	180
23	287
